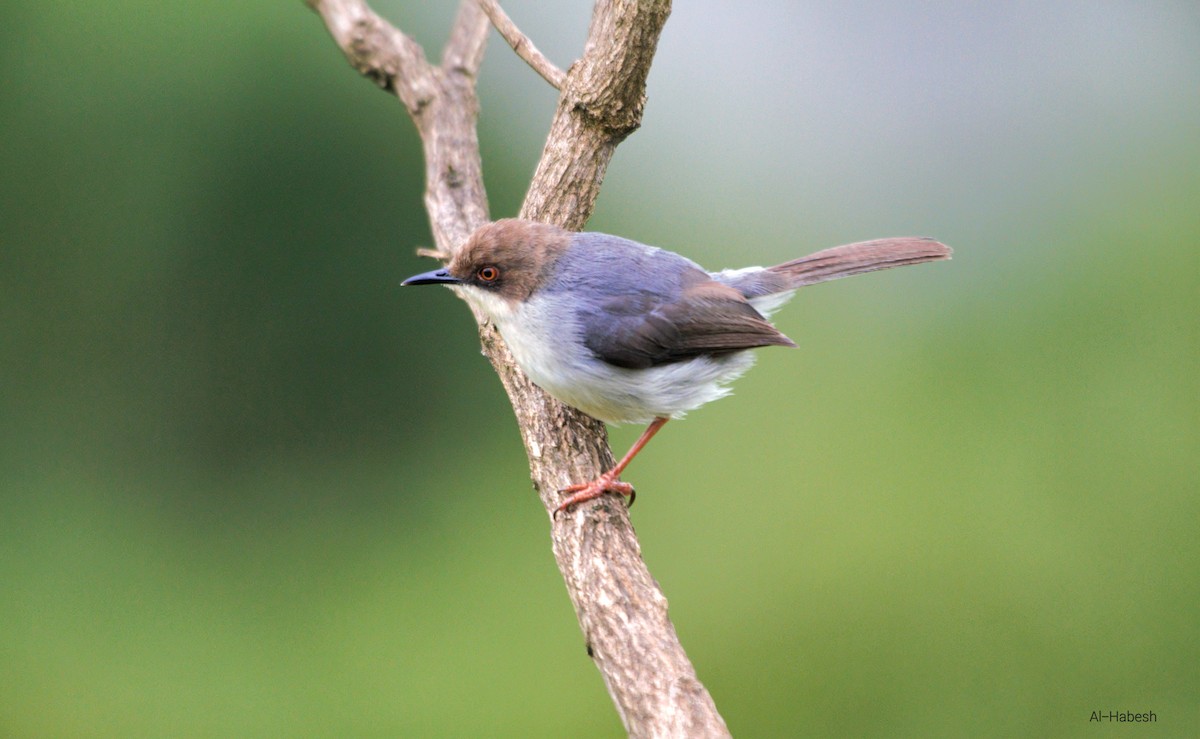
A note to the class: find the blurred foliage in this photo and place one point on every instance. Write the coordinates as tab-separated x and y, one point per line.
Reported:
251	488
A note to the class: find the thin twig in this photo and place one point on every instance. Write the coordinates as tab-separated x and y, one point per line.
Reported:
424	251
521	44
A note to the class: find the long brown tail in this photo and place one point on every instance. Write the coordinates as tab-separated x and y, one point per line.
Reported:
855	259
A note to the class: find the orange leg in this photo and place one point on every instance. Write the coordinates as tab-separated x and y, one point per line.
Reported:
608	482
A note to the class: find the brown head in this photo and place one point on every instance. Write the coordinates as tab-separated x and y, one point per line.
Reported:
509	259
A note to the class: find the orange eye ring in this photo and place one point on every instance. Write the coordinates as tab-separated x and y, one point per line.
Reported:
488	274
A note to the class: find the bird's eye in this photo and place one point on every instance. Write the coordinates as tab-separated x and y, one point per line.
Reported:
488	274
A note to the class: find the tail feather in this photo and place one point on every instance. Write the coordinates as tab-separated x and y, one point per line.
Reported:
855	259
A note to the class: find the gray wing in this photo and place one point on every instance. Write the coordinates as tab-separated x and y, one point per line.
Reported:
646	329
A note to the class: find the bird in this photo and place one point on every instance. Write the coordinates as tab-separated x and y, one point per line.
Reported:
631	333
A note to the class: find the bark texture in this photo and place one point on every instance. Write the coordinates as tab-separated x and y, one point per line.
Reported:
621	609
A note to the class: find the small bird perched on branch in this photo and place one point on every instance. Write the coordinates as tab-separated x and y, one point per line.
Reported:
630	333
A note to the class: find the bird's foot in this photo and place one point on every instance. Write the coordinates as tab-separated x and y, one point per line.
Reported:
606	483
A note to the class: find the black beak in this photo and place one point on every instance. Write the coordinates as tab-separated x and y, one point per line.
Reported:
436	277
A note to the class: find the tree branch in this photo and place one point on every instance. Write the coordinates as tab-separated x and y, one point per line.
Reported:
468	37
377	50
440	100
621	610
521	44
600	105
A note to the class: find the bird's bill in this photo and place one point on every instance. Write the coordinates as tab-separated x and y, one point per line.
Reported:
436	277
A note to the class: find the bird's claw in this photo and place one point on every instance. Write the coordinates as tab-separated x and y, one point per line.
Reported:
585	491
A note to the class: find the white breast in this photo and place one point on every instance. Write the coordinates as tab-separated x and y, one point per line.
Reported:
544	337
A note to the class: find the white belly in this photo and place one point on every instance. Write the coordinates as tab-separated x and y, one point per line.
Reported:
544	339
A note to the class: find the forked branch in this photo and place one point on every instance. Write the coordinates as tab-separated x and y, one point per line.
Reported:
621	610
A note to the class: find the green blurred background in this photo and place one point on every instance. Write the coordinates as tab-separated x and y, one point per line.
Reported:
252	488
